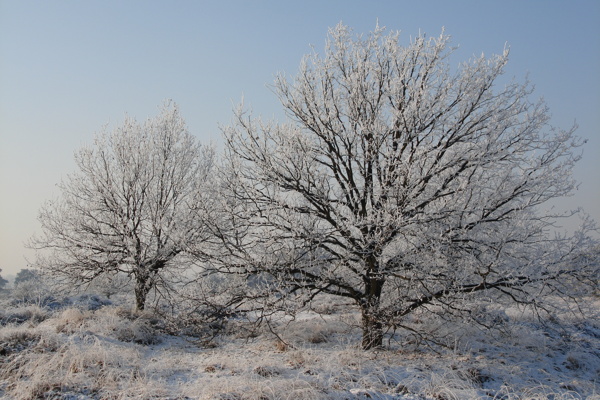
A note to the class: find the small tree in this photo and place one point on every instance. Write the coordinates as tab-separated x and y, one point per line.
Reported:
3	282
401	184
25	275
31	287
132	206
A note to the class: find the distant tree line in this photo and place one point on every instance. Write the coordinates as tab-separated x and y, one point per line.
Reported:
23	275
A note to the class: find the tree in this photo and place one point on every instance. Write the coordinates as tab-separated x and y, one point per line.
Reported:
402	184
31	288
3	282
25	275
132	207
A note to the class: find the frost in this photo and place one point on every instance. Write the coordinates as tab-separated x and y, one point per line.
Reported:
113	352
404	186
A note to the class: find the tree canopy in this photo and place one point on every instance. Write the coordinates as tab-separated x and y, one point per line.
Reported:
25	275
131	207
402	183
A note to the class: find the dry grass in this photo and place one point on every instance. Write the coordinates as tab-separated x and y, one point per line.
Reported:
115	353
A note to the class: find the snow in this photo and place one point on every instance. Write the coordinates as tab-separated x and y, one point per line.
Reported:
85	352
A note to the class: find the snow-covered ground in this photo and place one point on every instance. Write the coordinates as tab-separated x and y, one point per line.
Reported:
90	348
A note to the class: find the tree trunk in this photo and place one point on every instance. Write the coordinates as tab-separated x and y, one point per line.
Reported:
372	330
142	288
372	325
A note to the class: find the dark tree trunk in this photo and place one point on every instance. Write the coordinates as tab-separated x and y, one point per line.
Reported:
372	330
372	325
142	288
145	280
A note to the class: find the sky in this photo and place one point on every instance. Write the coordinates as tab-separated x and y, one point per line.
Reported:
69	68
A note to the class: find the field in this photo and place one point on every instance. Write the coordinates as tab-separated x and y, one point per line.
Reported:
89	347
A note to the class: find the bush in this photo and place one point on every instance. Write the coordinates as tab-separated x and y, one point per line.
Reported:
139	331
31	313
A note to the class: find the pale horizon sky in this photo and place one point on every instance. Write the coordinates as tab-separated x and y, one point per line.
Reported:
67	68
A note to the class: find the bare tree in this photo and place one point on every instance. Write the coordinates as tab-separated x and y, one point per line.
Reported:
132	206
401	183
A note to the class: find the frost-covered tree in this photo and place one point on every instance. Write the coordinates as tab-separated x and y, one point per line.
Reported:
24	275
3	282
132	207
31	288
402	183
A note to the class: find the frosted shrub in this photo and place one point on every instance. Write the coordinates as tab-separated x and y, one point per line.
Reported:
71	319
17	339
31	313
310	332
90	302
32	291
124	324
450	386
138	331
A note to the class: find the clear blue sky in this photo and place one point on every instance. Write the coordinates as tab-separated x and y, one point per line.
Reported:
69	67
